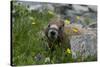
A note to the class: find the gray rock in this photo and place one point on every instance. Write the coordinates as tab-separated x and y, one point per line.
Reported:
84	45
93	7
80	9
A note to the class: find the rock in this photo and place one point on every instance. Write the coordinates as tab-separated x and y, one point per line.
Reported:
78	9
93	8
83	45
93	25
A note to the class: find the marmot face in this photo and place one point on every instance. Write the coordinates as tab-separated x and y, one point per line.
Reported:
54	30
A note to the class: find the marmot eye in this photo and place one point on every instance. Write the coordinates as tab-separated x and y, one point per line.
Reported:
60	28
49	25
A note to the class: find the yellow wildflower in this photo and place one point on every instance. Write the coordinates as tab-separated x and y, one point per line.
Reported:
75	30
31	18
78	17
67	21
51	12
33	23
68	51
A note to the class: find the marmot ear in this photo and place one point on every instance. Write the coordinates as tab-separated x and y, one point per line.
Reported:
62	23
61	28
48	25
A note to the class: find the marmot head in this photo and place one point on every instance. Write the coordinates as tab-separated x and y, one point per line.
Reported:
54	29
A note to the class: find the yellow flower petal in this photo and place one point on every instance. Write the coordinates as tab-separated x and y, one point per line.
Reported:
31	18
51	12
67	21
33	23
78	17
68	51
75	30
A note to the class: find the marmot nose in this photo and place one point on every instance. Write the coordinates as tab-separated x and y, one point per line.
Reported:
53	33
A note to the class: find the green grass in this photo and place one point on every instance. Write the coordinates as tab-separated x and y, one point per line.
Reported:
26	37
28	44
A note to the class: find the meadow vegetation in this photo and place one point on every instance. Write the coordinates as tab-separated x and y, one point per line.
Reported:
28	43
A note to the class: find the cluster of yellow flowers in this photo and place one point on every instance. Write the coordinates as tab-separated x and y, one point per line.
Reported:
68	51
67	22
